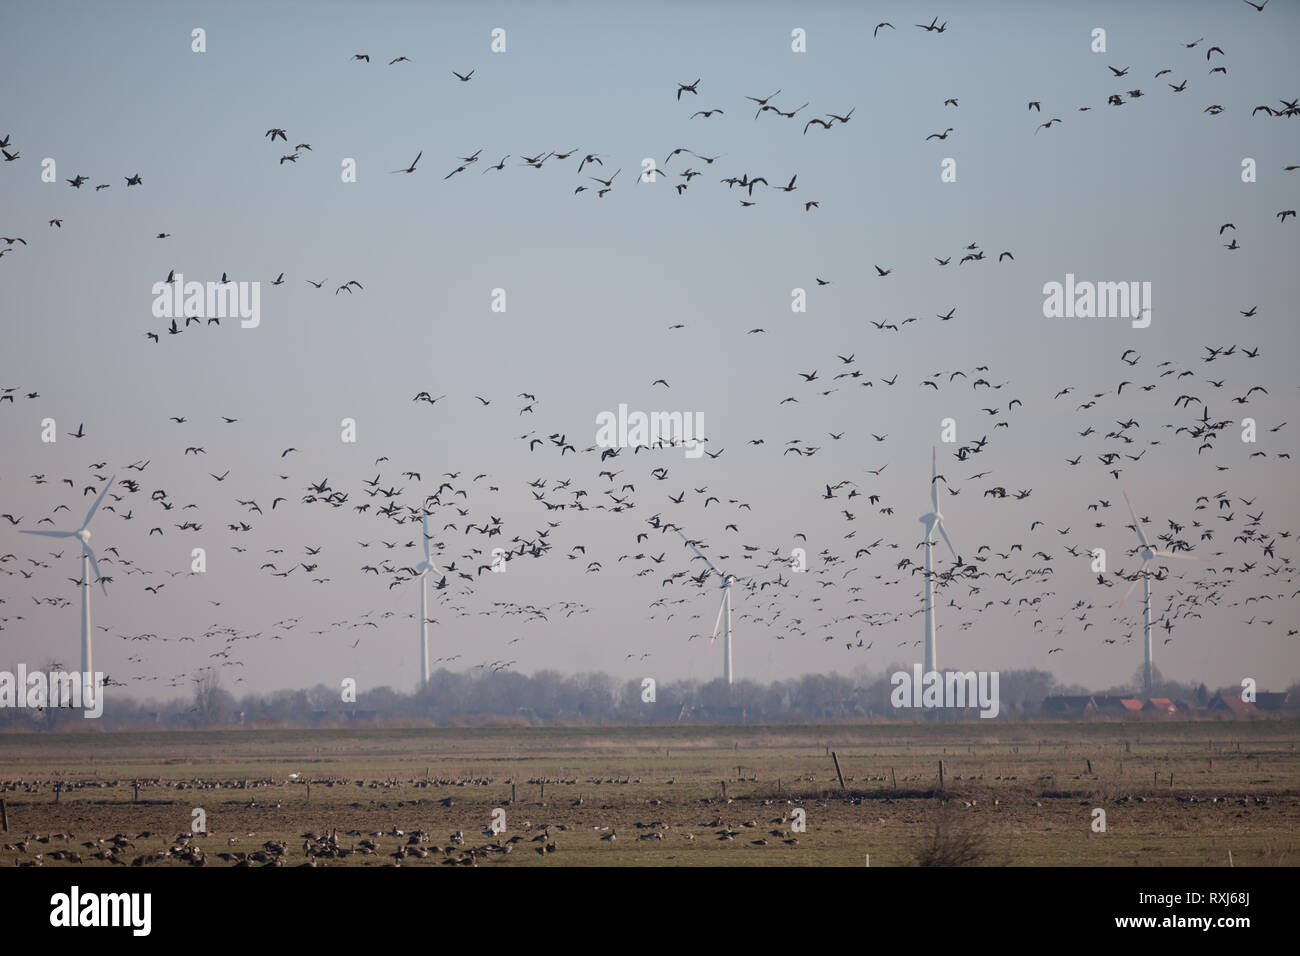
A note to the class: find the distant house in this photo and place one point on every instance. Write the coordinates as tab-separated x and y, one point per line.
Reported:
1271	701
1160	705
1233	704
1069	707
1118	706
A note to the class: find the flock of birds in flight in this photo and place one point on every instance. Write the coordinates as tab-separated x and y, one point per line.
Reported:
464	506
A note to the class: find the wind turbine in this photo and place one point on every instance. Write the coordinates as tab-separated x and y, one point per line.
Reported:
1148	553
723	608
931	521
423	569
87	562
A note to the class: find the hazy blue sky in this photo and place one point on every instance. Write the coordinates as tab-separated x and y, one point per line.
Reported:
1135	192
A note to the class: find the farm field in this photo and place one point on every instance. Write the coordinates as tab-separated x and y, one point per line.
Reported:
1174	794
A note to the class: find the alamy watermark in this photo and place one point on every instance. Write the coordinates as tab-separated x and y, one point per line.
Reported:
208	300
934	690
1099	300
130	910
627	429
37	689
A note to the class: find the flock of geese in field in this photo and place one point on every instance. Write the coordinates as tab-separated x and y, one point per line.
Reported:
586	823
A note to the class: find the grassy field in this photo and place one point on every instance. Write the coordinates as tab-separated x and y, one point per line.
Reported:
1174	793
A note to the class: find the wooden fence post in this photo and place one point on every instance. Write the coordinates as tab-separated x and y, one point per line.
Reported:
837	769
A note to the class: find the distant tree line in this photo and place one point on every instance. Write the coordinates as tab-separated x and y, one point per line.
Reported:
549	697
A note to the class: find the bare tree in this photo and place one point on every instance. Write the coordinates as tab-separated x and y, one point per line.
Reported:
212	704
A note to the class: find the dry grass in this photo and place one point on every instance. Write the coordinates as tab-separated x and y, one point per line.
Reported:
1016	794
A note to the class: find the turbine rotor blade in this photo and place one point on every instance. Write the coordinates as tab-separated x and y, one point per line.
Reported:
428	557
1181	557
85	548
95	507
1132	586
934	471
1136	524
52	534
947	541
718	623
702	557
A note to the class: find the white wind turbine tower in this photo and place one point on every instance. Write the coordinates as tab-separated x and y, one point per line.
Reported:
1148	553
422	570
931	521
723	608
88	561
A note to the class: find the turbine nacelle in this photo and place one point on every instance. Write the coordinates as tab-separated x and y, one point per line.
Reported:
89	564
933	521
422	572
1148	555
724	607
